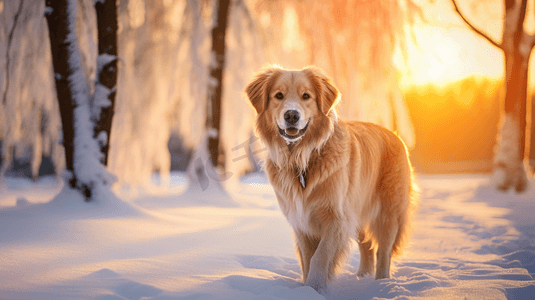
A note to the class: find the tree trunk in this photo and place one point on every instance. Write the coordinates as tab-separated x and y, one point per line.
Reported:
207	164
78	114
107	67
516	45
56	16
511	149
509	158
215	90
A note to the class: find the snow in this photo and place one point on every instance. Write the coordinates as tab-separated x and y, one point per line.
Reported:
100	98
104	59
469	242
509	166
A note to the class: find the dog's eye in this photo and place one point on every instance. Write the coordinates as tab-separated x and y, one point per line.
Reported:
279	96
306	96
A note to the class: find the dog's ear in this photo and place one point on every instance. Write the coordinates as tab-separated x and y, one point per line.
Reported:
257	90
327	94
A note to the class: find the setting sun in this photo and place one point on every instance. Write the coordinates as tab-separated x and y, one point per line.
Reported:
441	55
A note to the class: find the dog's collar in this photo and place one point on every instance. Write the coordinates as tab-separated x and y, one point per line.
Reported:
294	138
303	179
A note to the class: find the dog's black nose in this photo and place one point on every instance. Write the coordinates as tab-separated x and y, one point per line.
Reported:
291	116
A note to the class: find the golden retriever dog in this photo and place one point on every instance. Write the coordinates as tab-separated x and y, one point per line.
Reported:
334	180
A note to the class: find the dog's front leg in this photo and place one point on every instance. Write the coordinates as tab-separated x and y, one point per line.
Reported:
331	248
306	247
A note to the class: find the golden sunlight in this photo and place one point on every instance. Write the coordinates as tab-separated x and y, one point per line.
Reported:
291	40
441	56
445	50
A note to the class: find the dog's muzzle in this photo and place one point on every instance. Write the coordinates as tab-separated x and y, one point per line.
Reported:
299	132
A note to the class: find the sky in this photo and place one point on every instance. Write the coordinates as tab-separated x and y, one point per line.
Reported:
447	50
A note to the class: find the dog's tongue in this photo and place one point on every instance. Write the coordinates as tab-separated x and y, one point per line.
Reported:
292	131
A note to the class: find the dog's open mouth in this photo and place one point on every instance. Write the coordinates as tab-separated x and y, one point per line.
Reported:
292	133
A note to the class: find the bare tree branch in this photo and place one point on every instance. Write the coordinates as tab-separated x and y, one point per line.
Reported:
531	40
522	17
488	38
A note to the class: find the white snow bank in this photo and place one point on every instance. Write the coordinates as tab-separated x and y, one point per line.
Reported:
469	241
35	191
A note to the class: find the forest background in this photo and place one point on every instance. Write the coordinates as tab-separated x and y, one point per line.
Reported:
442	96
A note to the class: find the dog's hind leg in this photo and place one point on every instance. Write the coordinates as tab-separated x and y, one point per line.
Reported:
395	190
386	228
332	248
390	227
305	248
386	235
367	255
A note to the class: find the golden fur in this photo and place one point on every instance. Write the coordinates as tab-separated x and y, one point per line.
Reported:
339	180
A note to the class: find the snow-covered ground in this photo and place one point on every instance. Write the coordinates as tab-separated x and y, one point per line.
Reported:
469	242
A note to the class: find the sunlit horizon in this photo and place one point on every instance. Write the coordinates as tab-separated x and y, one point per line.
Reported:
440	55
443	56
443	50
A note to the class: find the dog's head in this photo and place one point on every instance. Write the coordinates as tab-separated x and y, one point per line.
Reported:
293	100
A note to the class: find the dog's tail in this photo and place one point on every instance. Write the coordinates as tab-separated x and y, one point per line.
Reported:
405	224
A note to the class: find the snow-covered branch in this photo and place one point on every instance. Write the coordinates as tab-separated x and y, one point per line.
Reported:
90	172
100	97
82	146
106	79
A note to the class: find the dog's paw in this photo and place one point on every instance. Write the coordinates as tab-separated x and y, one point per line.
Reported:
382	275
365	269
317	283
364	273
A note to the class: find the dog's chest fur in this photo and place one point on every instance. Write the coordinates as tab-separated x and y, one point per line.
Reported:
298	215
312	197
297	203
